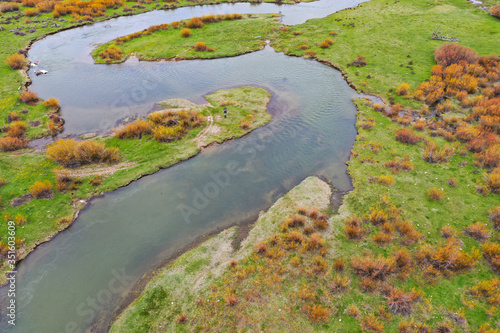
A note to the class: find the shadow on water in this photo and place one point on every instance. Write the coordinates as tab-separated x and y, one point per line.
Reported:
85	272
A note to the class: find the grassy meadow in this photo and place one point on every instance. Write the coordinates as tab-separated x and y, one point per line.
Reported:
222	39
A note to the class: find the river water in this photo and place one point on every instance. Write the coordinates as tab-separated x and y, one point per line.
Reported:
77	280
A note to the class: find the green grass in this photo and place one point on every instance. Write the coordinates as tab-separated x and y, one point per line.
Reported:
229	38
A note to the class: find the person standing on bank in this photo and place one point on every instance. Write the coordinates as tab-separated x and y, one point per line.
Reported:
225	112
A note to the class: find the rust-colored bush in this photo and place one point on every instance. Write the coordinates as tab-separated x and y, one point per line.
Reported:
41	189
339	264
403	89
339	283
200	46
17	129
381	238
449	257
372	324
15	61
399	164
245	124
111	53
318	313
31	12
195	23
400	302
495	11
491	252
432	154
6	7
28	97
495	217
448	231
320	224
231	300
303	47
310	53
478	231
406	135
186	32
353	228
359	62
135	129
319	265
168	134
12	143
261	248
52	103
374	268
490	157
71	153
450	53
295	221
435	194
377	216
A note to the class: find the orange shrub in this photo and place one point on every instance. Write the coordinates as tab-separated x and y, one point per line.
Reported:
168	134
17	129
406	135
435	194
71	153
490	158
31	11
372	324
478	231
52	103
399	164
432	154
15	61
245	124
495	11
317	313
400	302
359	62
450	53
200	46
195	23
6	7
403	89
186	32
448	231
28	97
353	228
303	47
134	130
41	190
495	217
46	6
310	53
386	180
12	143
491	252
381	238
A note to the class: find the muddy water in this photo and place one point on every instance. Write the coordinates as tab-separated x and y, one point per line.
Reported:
78	279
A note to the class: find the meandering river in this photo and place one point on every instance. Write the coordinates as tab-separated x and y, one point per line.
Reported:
77	280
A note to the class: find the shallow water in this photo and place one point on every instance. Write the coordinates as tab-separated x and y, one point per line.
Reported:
78	279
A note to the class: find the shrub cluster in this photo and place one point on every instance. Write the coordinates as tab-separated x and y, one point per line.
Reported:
41	189
71	153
